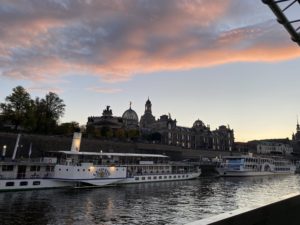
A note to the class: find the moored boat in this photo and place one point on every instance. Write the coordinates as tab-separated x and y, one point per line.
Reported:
91	169
249	165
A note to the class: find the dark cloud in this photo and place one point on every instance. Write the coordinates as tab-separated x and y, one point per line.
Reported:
115	39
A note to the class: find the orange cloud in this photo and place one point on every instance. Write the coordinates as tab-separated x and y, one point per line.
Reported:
115	40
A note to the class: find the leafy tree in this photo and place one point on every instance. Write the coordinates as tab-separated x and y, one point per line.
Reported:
132	134
48	112
119	133
155	137
16	107
67	128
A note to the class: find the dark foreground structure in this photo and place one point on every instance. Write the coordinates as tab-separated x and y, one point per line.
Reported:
280	9
285	211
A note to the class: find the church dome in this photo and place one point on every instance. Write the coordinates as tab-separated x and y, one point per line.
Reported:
130	114
198	123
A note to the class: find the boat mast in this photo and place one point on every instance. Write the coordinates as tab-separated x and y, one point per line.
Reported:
16	147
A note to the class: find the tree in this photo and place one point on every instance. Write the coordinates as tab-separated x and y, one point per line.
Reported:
156	136
132	134
49	110
16	106
119	133
68	128
55	106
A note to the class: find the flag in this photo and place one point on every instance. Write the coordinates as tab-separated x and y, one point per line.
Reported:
30	148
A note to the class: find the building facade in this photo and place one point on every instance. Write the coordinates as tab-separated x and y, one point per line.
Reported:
109	123
165	130
274	148
296	140
199	136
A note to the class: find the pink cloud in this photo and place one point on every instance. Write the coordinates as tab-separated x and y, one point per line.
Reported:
42	41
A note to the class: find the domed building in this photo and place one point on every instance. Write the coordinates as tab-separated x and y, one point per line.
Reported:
202	137
198	124
130	119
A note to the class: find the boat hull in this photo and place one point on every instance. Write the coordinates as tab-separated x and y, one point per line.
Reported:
160	178
231	173
29	184
86	183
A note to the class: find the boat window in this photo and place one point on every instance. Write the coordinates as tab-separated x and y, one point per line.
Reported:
48	168
10	184
23	183
7	168
149	178
137	178
35	168
159	177
36	182
165	177
143	178
154	178
170	176
174	176
84	170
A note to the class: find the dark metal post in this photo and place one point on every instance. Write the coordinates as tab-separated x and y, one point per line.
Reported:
282	18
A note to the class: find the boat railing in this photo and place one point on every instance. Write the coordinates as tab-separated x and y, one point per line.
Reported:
26	176
146	173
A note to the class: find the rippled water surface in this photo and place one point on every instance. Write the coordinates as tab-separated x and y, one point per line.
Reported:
176	202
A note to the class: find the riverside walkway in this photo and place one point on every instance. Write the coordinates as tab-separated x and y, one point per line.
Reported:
284	211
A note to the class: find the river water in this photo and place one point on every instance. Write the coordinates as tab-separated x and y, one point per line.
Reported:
177	202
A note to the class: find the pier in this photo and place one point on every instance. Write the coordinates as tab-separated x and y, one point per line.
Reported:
281	212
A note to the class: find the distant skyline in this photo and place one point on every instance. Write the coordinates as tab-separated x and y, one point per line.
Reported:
222	61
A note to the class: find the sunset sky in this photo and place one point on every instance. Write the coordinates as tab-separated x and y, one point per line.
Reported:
222	61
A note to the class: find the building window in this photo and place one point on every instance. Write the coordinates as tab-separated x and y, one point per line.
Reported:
7	168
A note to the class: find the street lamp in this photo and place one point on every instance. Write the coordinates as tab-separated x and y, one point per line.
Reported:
282	10
3	152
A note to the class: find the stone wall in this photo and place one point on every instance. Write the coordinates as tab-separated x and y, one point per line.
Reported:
42	144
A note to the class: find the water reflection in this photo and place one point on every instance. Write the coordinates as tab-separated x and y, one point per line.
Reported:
176	202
